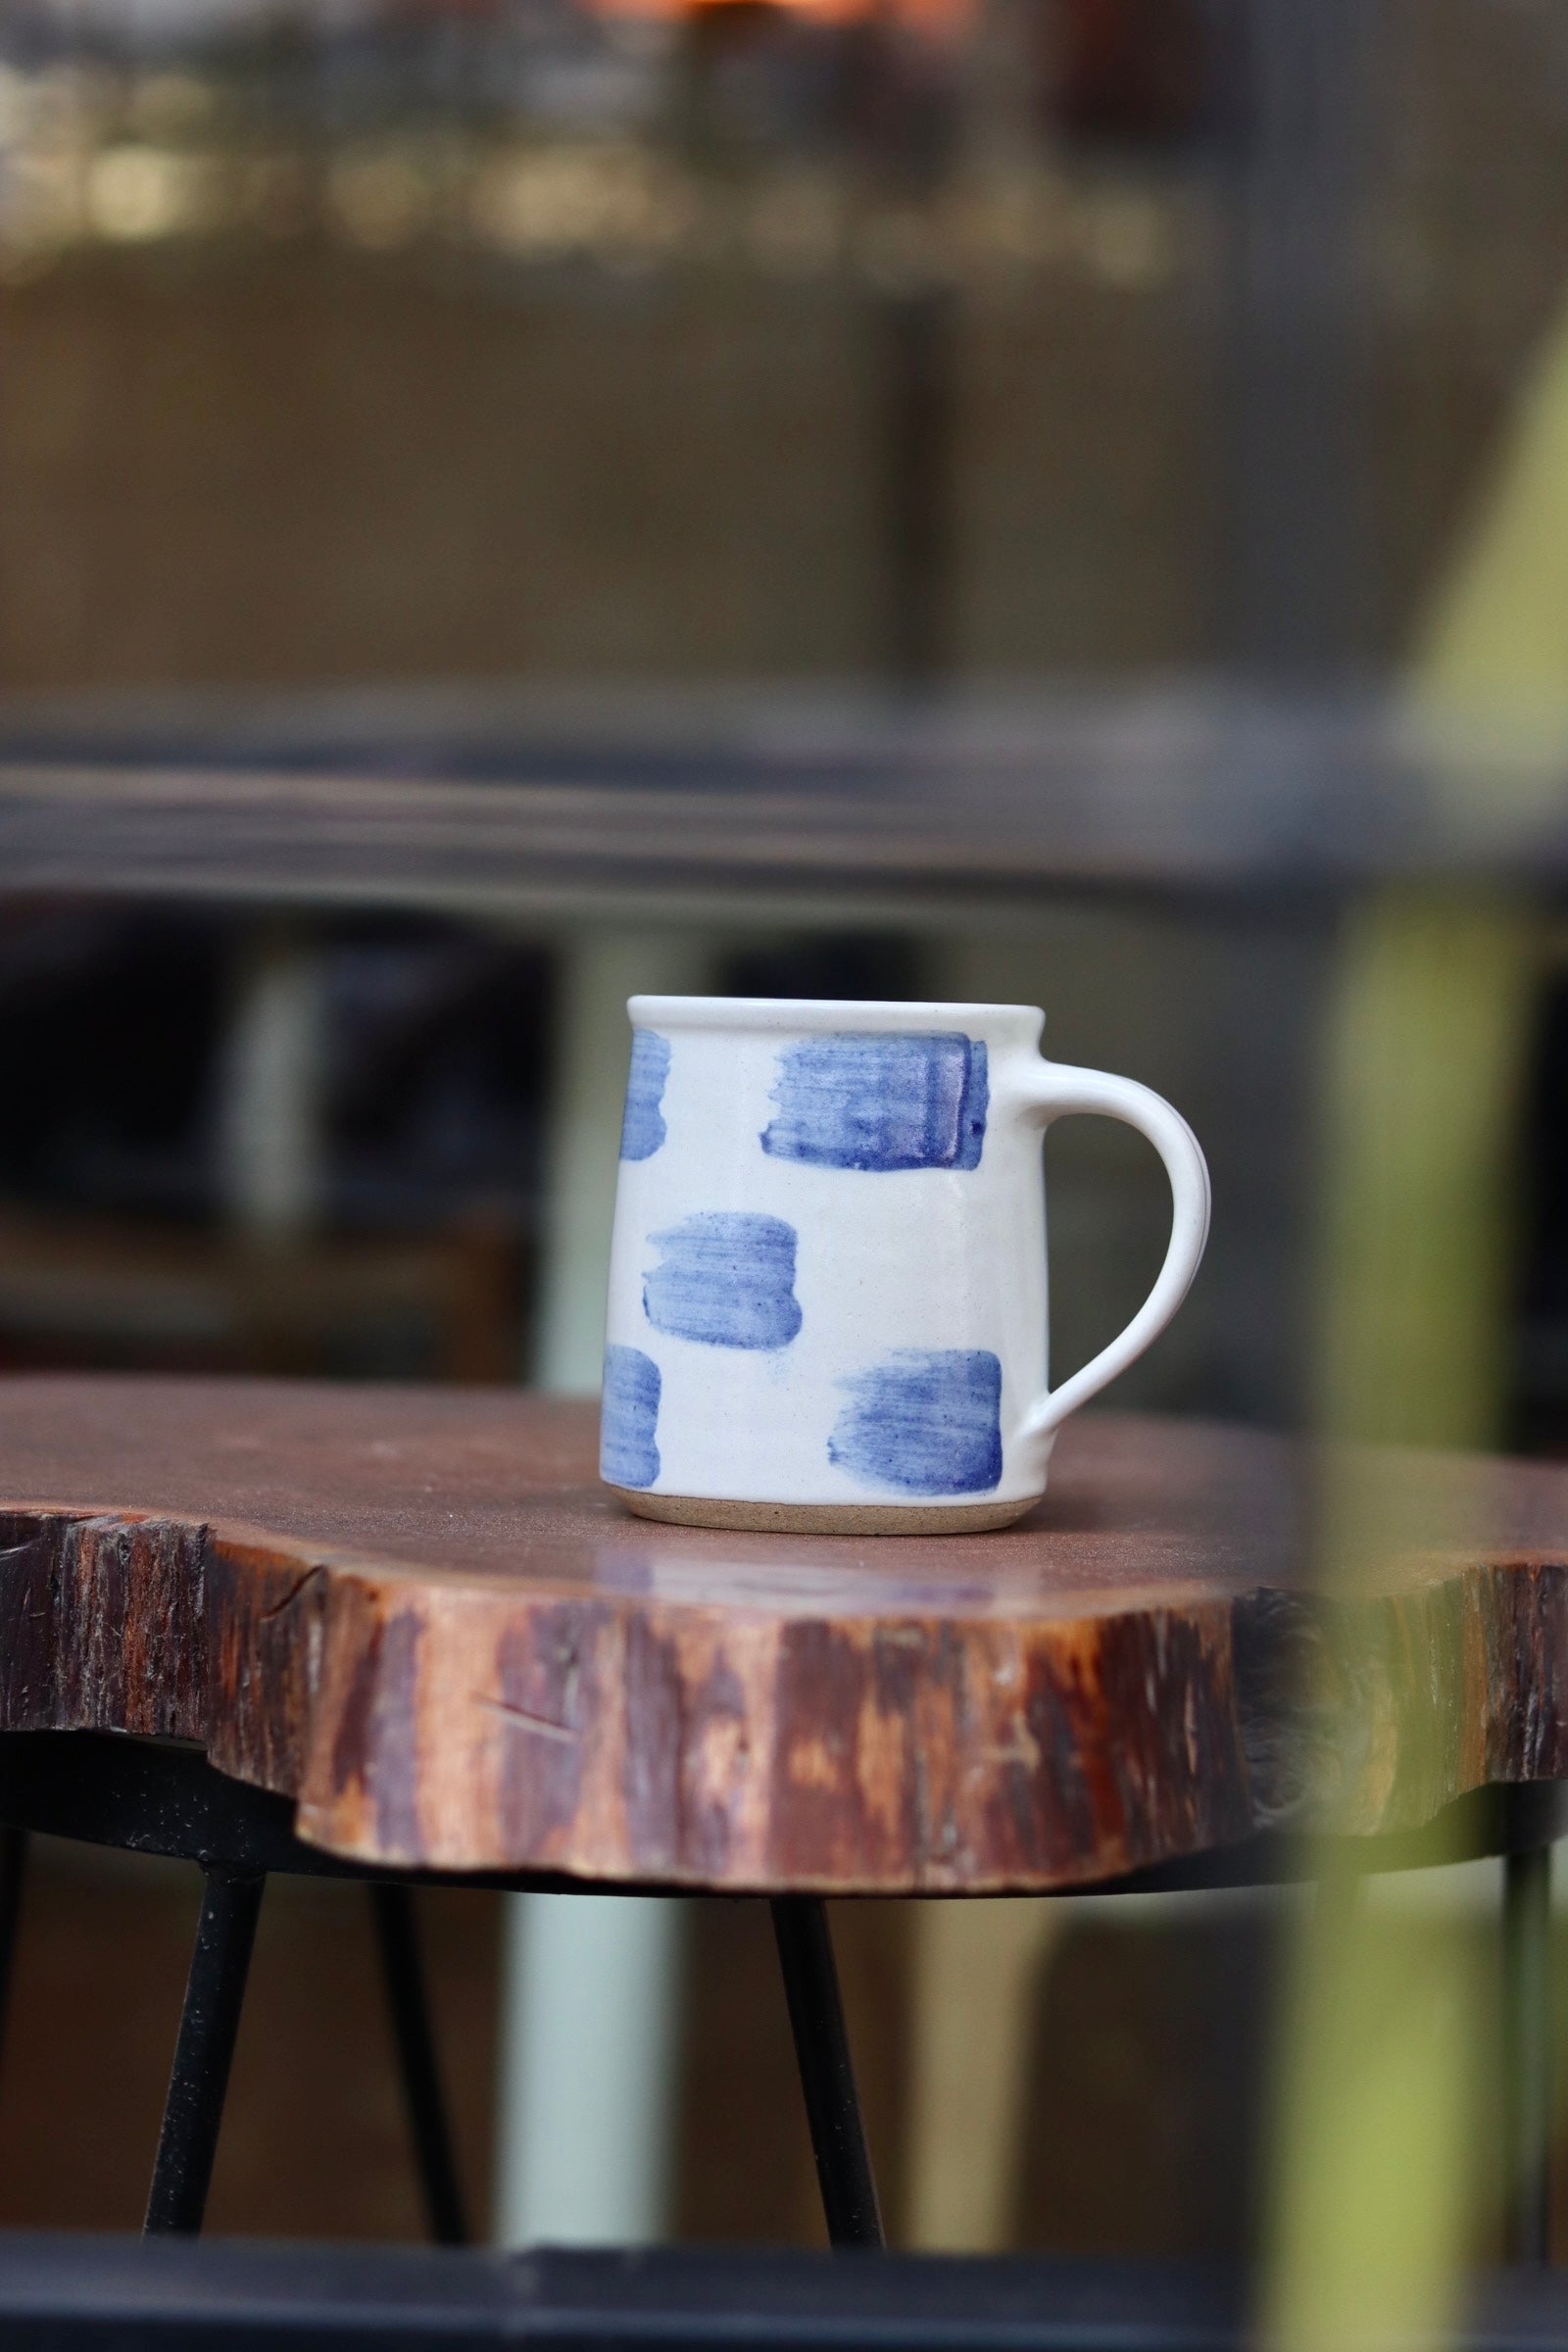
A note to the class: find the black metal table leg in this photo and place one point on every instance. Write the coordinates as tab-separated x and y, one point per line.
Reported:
827	2072
12	1869
1527	2050
397	1937
208	2023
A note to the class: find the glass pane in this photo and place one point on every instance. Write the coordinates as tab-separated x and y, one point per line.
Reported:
564	338
1470	257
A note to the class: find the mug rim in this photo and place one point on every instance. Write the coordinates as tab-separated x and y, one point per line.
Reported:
779	1013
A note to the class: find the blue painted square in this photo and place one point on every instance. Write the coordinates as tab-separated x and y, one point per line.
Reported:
927	1421
628	1418
881	1102
642	1125
727	1278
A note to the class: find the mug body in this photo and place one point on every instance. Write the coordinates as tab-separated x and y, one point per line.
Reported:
827	1289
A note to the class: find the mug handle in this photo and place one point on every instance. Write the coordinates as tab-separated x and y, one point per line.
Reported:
1052	1090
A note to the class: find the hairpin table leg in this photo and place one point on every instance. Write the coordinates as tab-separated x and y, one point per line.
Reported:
208	2023
396	1934
1527	2050
827	2073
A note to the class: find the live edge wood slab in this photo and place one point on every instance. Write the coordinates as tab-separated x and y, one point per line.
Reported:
418	1614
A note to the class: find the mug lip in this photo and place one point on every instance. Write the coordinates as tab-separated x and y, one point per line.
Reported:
876	1015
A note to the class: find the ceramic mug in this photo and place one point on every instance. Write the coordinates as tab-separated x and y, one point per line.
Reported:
828	1287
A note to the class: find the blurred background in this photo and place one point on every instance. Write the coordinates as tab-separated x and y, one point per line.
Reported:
1143	423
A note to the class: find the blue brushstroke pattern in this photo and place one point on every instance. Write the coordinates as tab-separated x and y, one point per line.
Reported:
927	1421
628	1417
875	1103
642	1126
726	1279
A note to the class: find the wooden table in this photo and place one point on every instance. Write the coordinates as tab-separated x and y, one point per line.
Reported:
416	1619
417	1614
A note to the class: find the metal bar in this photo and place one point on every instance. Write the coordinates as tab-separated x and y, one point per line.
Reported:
193	2109
69	2294
13	1870
401	1970
1527	2045
827	2072
1297	90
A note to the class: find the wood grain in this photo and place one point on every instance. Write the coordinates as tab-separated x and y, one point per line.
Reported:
418	1614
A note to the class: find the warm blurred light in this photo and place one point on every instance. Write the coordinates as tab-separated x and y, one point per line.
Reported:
823	12
943	21
616	199
137	193
586	153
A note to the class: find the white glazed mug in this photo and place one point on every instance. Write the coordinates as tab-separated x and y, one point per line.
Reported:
827	1286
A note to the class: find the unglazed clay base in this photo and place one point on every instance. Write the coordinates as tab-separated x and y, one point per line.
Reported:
827	1518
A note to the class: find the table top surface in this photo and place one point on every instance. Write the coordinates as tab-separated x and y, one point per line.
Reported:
418	1613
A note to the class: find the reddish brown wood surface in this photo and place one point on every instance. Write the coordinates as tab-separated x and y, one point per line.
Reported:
418	1613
